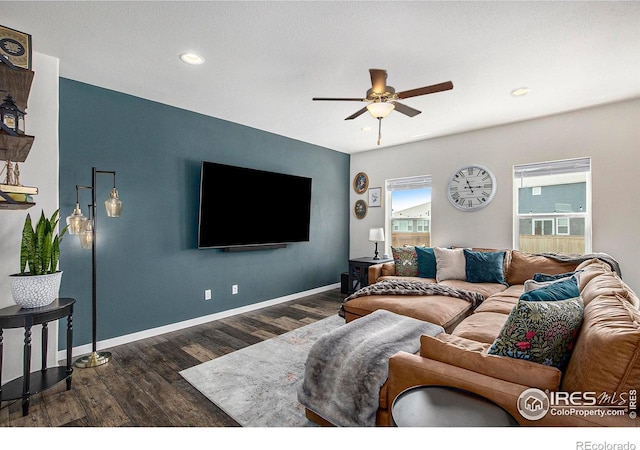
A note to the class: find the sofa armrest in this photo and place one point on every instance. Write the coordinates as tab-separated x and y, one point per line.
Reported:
407	370
378	270
471	355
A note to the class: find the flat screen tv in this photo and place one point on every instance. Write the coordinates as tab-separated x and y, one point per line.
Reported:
243	207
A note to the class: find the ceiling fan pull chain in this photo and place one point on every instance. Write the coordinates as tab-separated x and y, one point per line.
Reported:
379	129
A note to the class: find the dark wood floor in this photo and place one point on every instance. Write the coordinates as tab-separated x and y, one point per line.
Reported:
142	386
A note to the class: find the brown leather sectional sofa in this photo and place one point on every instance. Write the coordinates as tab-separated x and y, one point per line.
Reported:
604	363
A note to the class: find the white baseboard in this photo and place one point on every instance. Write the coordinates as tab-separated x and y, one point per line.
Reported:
128	338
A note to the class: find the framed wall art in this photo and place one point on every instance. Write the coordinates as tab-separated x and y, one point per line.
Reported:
360	209
375	197
361	183
16	46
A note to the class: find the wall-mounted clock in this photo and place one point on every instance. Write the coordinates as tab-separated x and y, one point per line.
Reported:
471	187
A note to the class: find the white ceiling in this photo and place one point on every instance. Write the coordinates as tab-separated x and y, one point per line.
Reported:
266	60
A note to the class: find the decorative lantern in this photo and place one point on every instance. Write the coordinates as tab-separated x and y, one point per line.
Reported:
11	116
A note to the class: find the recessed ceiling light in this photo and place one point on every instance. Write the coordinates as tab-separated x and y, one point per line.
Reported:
192	58
520	92
366	128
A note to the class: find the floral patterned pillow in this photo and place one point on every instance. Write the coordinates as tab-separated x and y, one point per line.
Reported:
406	261
541	332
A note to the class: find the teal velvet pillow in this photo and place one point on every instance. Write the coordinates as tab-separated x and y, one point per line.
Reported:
557	277
484	267
426	262
541	332
560	290
406	261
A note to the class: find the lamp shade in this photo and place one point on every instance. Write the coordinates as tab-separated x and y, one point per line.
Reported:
86	235
113	205
380	110
76	221
376	235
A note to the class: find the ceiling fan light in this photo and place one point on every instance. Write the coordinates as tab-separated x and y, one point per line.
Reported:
380	110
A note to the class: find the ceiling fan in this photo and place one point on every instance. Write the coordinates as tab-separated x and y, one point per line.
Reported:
382	99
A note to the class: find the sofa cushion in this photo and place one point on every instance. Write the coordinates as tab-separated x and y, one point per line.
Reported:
484	267
426	262
607	353
450	264
541	331
498	303
405	260
523	266
564	289
545	277
481	327
438	309
590	269
472	355
388	269
608	283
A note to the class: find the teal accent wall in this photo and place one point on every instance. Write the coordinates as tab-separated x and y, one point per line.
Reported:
150	271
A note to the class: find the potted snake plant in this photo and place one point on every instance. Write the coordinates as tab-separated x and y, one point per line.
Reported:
38	282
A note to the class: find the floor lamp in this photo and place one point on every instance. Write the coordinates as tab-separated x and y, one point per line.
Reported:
86	228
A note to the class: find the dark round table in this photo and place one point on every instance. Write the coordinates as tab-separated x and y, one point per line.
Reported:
443	406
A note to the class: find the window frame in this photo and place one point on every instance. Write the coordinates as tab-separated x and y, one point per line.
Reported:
570	167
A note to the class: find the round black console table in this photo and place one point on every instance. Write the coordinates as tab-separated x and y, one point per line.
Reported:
443	406
32	383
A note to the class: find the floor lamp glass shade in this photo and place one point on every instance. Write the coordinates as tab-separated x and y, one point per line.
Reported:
86	236
113	205
77	221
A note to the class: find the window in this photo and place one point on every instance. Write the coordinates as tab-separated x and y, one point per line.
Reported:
408	213
552	206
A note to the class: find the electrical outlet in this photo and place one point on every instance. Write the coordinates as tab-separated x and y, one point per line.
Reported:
207	294
234	289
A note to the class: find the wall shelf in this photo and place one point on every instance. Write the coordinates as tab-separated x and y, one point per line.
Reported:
17	83
16	205
15	148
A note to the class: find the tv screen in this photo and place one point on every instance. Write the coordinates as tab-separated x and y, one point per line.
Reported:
240	207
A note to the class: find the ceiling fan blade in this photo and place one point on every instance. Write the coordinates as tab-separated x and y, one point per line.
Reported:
356	114
406	110
426	90
378	80
331	99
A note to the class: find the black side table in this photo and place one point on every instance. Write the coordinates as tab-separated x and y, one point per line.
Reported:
359	271
444	406
32	383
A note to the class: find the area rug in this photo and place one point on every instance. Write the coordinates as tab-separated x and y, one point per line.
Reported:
257	386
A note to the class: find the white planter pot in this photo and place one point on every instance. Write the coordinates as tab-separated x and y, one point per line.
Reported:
34	291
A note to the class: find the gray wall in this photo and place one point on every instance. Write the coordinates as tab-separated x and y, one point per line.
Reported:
609	134
150	272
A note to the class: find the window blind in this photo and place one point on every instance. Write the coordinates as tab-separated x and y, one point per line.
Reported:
418	182
566	166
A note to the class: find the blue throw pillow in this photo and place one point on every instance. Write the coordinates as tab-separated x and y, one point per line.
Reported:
484	267
426	262
560	290
556	277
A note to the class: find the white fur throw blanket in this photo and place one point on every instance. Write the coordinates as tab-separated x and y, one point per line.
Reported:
346	367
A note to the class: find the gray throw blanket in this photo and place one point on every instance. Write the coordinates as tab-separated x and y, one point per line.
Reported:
413	287
346	367
580	258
